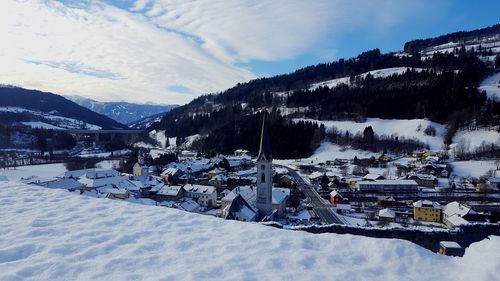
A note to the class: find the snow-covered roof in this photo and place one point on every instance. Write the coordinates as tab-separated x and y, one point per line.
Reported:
426	204
93	173
373	177
455	208
450	245
247	192
64	183
169	190
112	190
117	181
189	205
280	194
387	213
335	193
456	220
199	189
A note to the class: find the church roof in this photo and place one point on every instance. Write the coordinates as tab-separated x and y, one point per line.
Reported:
265	145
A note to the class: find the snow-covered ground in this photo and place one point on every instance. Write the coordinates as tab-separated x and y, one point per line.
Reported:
491	86
379	73
48	234
409	129
472	168
473	139
45	171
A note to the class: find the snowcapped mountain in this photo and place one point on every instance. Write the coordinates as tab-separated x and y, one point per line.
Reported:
122	112
49	111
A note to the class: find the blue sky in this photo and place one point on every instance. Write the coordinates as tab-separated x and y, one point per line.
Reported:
171	51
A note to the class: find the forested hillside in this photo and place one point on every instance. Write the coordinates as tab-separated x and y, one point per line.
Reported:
441	87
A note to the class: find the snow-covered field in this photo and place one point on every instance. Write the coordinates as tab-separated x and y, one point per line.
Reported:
409	129
472	168
48	234
490	85
473	139
45	171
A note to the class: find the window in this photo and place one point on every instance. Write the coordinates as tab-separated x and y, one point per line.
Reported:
263	167
263	178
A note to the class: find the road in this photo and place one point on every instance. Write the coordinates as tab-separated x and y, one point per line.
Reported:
320	206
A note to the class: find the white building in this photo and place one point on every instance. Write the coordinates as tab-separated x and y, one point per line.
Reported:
205	195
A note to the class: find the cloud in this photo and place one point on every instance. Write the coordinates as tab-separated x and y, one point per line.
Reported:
168	51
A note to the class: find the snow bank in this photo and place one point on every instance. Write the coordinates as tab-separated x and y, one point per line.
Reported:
56	235
398	127
490	85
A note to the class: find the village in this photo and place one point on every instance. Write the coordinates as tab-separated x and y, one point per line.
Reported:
410	191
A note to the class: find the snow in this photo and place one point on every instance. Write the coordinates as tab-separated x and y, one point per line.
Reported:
108	164
407	128
51	234
41	125
379	73
47	171
472	168
473	139
490	85
329	151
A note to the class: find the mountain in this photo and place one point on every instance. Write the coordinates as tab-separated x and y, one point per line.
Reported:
51	109
441	85
146	122
122	112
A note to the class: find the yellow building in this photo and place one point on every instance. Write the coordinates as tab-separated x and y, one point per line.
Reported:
425	210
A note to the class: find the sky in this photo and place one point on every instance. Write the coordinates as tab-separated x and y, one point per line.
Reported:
171	51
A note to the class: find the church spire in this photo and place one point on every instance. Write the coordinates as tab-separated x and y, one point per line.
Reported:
265	145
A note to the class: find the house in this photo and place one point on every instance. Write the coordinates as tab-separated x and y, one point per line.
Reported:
373	177
424	180
114	193
387	215
451	248
335	197
343	208
172	175
456	214
280	196
240	209
189	205
169	193
205	195
247	192
90	173
425	210
388	186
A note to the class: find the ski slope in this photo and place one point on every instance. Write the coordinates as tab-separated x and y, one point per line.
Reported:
49	234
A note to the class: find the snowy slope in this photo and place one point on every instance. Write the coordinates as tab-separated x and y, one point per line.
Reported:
379	73
56	235
473	139
398	127
491	85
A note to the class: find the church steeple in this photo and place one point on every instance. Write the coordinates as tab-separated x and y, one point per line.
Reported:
265	145
264	173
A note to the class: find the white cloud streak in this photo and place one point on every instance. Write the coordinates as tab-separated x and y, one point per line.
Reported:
100	51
